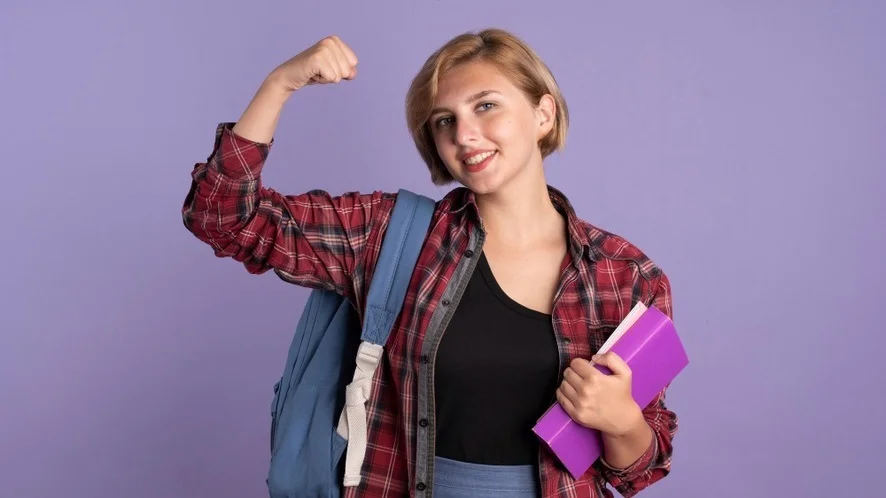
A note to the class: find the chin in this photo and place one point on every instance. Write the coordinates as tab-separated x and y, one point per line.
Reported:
481	185
488	181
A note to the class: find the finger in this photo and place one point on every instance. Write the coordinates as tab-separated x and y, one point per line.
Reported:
329	71
582	367
570	392
341	60
613	362
567	405
346	50
573	379
337	61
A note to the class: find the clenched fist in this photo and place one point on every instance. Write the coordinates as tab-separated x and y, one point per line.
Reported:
597	400
327	61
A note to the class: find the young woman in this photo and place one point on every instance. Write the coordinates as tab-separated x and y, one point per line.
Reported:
512	295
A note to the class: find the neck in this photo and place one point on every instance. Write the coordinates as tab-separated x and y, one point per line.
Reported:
521	213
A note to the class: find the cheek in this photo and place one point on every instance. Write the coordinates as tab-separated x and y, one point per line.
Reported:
501	130
446	150
445	147
516	129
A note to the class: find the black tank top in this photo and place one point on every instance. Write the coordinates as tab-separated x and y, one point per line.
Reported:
496	374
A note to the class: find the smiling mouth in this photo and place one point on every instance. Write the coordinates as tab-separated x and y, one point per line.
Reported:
478	158
479	162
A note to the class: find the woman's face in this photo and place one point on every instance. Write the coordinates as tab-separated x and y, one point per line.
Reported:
485	129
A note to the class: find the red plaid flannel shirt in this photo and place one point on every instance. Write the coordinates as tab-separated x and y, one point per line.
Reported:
320	241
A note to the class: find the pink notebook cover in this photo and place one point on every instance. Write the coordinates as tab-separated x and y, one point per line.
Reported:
655	354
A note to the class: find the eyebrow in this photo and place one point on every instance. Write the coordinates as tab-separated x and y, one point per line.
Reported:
473	98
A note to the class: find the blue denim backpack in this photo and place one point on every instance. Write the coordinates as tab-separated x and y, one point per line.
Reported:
318	412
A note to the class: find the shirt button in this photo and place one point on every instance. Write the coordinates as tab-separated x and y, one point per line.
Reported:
566	341
446	302
421	486
425	358
423	422
469	253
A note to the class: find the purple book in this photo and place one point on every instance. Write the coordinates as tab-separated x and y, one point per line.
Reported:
649	344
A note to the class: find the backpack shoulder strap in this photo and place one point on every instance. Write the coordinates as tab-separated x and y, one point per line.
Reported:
400	249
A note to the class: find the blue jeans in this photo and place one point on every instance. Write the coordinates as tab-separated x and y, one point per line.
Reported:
454	479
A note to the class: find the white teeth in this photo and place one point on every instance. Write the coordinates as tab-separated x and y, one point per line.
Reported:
478	158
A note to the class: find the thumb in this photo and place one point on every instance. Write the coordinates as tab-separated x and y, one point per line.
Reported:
613	362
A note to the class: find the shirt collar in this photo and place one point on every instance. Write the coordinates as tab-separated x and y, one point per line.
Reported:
462	199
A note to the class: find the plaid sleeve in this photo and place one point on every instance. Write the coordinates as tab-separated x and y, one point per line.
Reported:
311	239
655	464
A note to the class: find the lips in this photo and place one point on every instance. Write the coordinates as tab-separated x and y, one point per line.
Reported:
478	161
477	157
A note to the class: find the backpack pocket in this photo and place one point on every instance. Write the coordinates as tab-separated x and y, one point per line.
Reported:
307	454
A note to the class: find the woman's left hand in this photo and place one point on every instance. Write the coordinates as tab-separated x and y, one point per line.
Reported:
597	400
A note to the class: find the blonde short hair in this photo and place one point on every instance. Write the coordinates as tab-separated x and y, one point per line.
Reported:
513	57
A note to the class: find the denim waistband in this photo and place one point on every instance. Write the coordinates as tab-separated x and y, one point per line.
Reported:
454	479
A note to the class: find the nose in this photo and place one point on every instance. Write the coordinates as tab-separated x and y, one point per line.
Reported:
465	132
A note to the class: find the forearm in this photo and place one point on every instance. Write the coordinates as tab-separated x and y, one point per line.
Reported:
259	121
622	450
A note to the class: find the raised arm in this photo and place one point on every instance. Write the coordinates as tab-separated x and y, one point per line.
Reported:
328	61
312	239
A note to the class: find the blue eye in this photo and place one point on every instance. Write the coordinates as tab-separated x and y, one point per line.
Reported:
484	104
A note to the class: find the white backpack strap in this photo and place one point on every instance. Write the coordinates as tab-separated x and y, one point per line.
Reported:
353	421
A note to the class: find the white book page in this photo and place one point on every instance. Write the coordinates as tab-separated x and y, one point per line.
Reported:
623	327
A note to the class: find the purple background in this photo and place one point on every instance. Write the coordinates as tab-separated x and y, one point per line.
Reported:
741	146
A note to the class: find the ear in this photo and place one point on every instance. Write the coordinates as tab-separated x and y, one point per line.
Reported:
546	110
